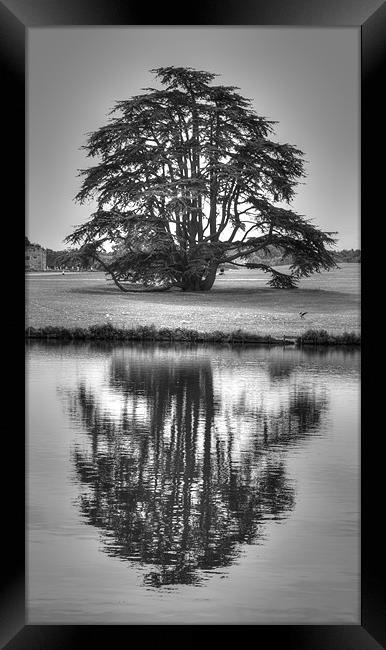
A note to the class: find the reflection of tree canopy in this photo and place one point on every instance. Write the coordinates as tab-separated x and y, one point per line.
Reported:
280	369
169	477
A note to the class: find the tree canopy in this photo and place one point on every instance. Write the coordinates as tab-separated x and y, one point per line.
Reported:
188	178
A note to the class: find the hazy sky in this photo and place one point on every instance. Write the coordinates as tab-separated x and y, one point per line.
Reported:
307	79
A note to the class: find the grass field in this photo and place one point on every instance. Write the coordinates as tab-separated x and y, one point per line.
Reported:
239	299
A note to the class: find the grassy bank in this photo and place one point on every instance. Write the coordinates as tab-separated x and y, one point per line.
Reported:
322	337
107	332
241	300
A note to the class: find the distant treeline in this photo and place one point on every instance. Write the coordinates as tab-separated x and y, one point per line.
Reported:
352	255
274	256
62	260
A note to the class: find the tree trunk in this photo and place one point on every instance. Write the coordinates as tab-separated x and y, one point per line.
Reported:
208	282
197	283
191	283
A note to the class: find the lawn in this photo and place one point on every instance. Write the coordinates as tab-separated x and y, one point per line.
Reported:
240	299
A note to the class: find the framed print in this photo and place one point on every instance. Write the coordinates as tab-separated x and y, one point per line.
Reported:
197	450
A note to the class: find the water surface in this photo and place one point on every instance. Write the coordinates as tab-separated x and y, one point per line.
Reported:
177	484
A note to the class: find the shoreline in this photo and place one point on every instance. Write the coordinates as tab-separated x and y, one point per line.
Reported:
108	332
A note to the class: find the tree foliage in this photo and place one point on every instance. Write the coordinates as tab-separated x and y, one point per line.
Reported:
188	178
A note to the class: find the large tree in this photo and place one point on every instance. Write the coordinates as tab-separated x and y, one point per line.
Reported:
188	179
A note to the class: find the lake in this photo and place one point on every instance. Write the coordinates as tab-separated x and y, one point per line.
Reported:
192	484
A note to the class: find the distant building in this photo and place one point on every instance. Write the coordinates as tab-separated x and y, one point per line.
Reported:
35	258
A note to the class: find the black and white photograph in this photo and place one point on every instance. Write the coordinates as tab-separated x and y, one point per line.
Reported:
192	258
196	446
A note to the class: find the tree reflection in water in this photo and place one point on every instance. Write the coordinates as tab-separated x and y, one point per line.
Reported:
177	476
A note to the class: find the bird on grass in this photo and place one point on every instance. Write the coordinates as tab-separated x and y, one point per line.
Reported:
302	313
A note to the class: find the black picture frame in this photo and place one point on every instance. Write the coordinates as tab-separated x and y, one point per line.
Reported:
16	17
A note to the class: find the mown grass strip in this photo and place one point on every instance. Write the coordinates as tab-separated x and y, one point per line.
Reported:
108	332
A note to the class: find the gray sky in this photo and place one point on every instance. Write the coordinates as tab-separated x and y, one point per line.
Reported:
307	79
